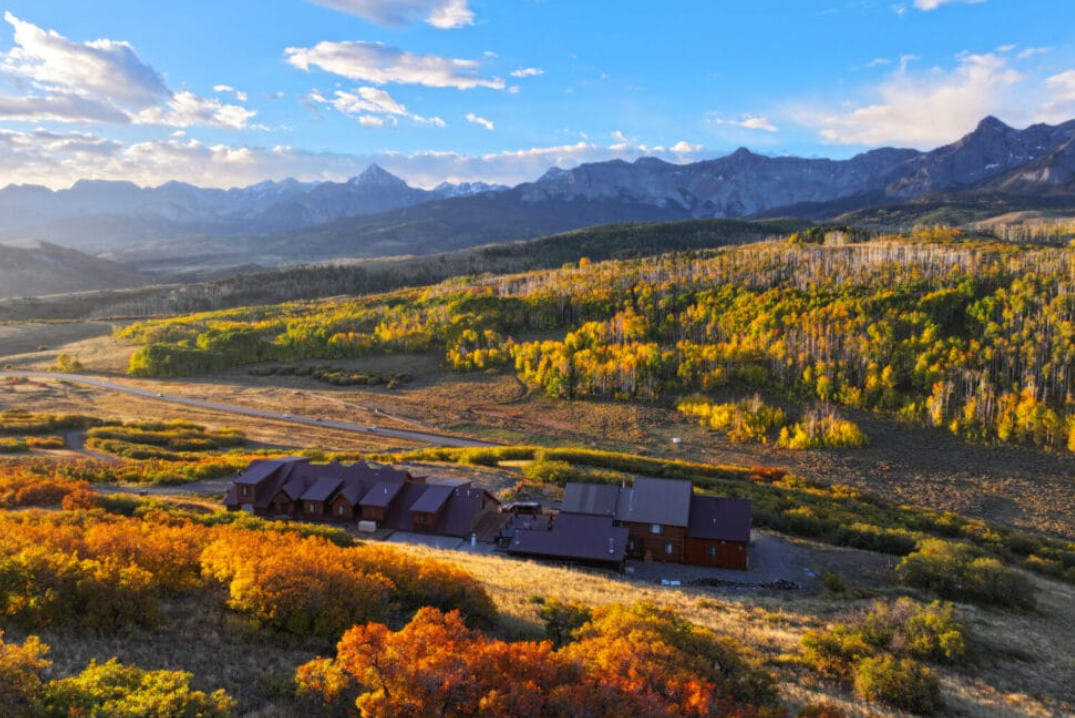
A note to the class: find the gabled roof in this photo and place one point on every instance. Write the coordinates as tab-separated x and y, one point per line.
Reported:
322	489
432	499
655	501
352	491
260	469
597	499
717	518
461	511
574	537
381	494
398	517
295	487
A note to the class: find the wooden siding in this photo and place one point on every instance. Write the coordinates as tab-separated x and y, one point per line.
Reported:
724	554
348	513
373	513
642	542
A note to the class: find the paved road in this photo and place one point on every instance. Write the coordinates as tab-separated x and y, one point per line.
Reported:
420	436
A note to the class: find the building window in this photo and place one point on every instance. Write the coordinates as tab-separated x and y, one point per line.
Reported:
668	549
340	510
655	528
420	518
246	491
310	507
713	551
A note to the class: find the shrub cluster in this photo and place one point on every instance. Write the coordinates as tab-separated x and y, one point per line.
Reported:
169	441
310	585
879	652
640	661
960	571
107	690
19	421
334	376
747	420
822	428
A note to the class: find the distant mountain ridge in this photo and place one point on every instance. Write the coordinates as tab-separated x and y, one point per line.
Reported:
379	214
94	215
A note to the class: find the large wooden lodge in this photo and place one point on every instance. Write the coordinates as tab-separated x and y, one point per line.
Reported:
652	520
597	524
375	498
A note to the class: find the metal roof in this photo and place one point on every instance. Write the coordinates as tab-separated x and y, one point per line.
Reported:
352	491
655	501
382	493
322	489
718	518
259	469
573	537
597	499
432	499
461	512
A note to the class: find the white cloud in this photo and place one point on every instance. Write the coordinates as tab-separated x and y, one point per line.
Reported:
934	4
228	89
97	69
748	122
474	119
924	109
59	160
1059	105
381	64
528	72
683	147
1030	52
100	81
443	14
186	109
451	14
371	106
877	61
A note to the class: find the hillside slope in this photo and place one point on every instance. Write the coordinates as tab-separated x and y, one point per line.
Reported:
38	268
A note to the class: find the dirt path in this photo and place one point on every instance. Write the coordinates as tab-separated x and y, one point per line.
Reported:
370	429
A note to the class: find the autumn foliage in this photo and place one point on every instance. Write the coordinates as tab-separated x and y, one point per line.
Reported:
641	661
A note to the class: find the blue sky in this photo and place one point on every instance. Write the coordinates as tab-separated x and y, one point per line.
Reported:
502	89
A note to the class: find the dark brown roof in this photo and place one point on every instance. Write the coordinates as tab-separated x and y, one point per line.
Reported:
573	537
598	499
655	501
260	469
399	514
352	491
461	511
381	494
718	518
322	489
296	486
432	499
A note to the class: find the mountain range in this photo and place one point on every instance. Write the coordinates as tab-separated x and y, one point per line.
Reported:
178	227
